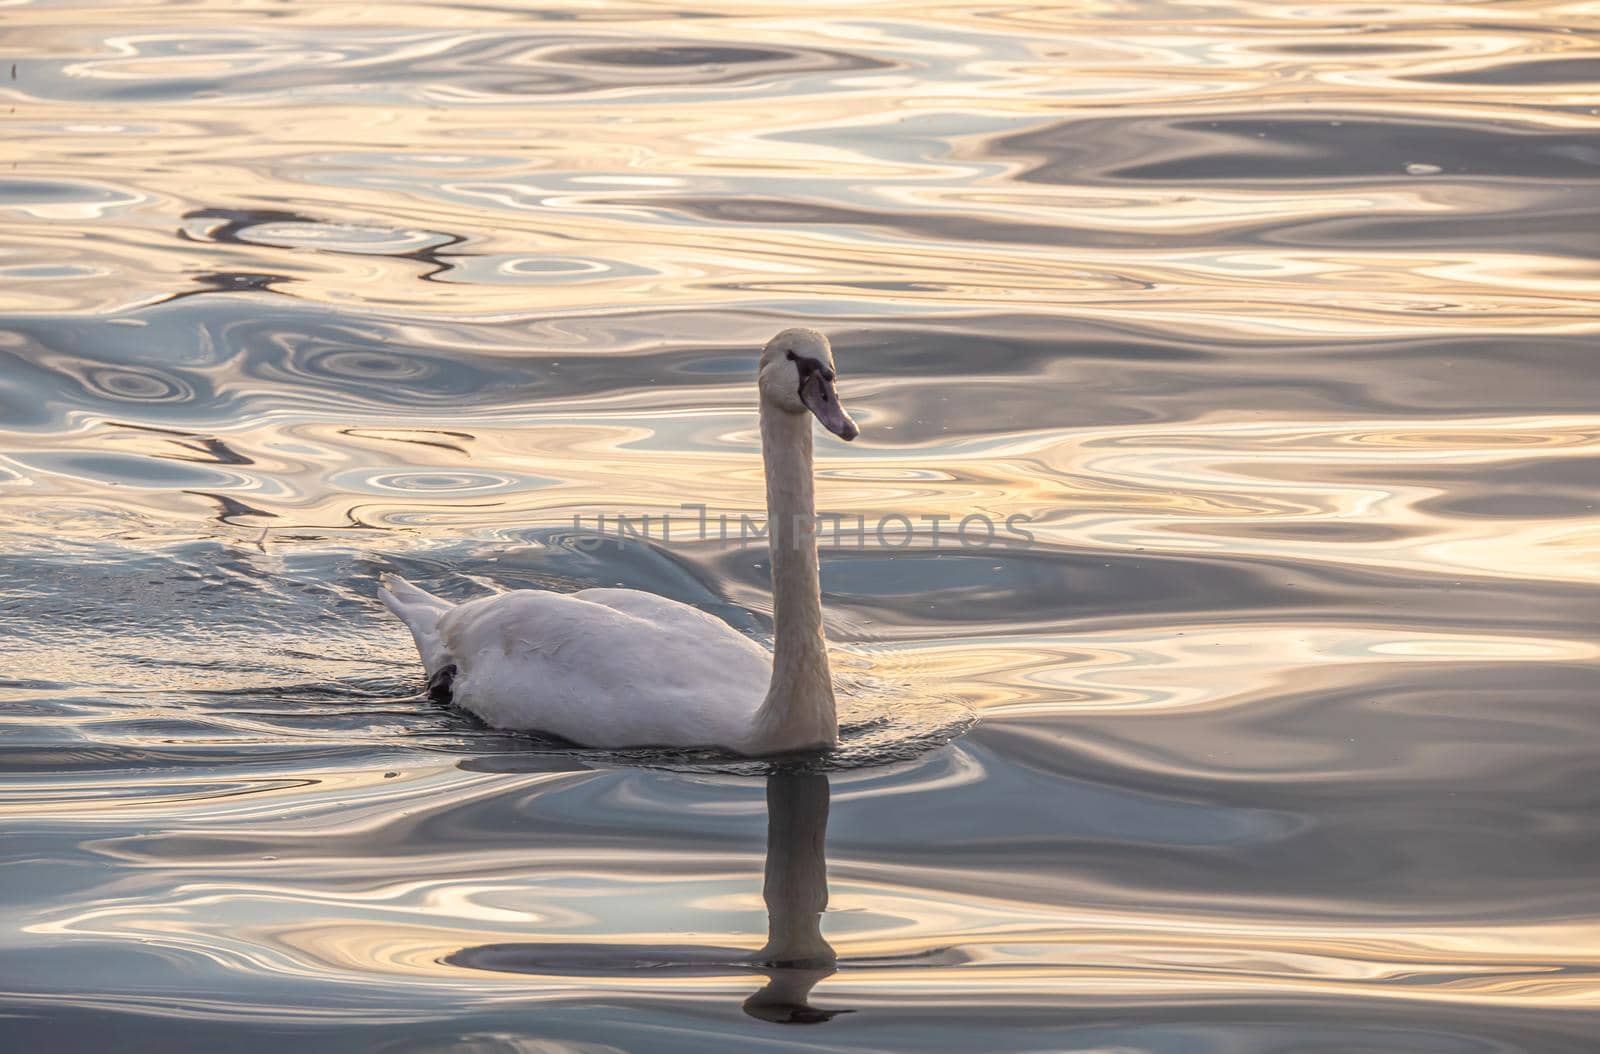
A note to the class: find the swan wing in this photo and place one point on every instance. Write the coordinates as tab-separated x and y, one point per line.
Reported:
605	668
656	608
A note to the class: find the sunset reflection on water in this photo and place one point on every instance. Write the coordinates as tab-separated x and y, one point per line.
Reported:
1272	324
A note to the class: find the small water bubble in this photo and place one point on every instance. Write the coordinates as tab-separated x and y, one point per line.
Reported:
1417	168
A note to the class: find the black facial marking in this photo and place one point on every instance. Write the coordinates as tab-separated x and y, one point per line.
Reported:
440	683
807	366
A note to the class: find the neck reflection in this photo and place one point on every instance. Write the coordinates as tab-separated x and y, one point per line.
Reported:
796	955
795	958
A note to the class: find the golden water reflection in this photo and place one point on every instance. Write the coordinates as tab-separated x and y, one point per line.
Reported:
910	934
1271	325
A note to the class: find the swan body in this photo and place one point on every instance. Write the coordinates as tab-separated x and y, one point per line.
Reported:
601	667
618	667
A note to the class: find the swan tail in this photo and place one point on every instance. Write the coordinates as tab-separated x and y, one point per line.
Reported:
421	612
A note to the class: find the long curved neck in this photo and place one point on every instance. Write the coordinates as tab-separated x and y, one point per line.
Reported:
799	709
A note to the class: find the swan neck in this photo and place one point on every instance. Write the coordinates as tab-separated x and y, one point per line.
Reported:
799	710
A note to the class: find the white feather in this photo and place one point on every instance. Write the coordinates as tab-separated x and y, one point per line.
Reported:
605	668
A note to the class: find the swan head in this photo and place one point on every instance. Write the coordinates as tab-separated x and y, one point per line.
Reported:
797	376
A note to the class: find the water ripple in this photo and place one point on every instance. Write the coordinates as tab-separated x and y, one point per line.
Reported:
1270	324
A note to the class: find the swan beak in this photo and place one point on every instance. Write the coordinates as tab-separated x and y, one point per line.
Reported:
820	398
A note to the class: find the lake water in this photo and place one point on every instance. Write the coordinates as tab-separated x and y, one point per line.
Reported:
1274	324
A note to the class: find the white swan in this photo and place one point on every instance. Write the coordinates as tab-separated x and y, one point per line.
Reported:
620	668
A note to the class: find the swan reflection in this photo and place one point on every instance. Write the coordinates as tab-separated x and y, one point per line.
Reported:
795	957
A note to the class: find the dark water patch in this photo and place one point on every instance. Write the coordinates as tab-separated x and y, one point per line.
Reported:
1544	488
1577	69
1092	591
674	55
1426	824
129	470
1352	47
1303	148
20	193
1557	228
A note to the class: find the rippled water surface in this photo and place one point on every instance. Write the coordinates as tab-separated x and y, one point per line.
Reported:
1276	322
